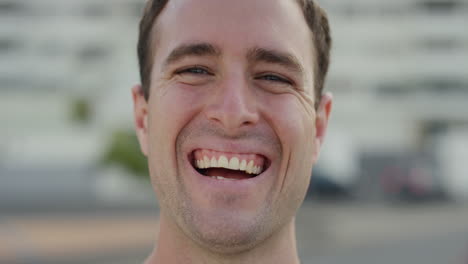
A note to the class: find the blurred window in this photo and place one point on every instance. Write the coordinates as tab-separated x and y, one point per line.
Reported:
441	44
445	85
9	45
20	83
12	83
392	89
11	7
434	127
439	6
94	53
436	85
353	10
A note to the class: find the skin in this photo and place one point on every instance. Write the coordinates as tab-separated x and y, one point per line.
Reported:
230	101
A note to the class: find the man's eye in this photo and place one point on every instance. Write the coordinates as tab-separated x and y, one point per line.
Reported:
274	78
194	70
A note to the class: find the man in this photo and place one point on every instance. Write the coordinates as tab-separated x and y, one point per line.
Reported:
231	117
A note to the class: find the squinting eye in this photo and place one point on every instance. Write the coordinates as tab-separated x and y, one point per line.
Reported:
194	70
274	78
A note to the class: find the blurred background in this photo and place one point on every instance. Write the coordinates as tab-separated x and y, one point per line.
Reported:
391	185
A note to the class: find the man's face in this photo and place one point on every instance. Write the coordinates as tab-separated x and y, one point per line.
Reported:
232	87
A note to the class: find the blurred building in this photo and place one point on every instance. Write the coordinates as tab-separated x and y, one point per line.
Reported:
400	78
55	57
399	75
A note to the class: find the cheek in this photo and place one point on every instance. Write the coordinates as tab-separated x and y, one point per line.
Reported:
170	111
294	125
293	120
173	108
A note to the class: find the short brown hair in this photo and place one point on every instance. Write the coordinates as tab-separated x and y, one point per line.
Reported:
314	15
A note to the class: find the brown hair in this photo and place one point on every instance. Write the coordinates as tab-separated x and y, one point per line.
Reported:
314	15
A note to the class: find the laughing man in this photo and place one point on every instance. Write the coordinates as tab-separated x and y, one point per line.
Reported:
231	116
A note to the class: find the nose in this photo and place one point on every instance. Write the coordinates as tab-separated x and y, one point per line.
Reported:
233	105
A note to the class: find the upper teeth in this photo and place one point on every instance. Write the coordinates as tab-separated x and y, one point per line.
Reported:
233	164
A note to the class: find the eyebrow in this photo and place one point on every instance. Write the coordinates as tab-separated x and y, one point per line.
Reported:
277	57
191	49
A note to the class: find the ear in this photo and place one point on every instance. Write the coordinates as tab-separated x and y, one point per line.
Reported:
321	123
140	113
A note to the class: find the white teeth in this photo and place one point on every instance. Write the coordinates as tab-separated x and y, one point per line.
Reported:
214	162
258	170
249	168
206	161
221	178
223	162
234	163
243	165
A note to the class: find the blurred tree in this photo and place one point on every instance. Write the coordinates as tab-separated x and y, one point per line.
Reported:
123	150
81	110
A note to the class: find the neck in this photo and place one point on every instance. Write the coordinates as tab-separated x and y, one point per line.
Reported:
174	247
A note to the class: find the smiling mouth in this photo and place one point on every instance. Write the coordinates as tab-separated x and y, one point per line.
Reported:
228	166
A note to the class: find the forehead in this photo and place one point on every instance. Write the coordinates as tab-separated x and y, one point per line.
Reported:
235	26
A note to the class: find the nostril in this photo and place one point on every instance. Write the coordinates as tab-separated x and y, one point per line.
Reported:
247	123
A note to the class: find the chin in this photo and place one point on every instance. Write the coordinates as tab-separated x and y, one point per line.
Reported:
225	231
